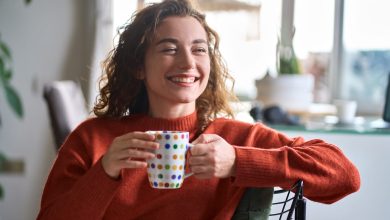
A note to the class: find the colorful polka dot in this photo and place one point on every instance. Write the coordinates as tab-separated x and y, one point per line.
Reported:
159	156
177	185
180	167
167	166
155	184
167	146
174	167
160	184
181	157
181	146
182	136
175	137
173	176
167	136
172	185
159	137
160	176
179	177
159	166
174	156
175	146
153	165
166	185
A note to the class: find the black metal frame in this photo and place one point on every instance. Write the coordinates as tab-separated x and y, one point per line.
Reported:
298	203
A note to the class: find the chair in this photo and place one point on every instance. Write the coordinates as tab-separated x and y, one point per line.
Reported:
290	204
267	203
67	107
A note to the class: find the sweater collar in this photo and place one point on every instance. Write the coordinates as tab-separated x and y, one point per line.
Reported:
185	123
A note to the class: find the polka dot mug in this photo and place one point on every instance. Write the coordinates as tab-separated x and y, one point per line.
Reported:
167	169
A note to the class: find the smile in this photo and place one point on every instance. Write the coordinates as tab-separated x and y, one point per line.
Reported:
177	79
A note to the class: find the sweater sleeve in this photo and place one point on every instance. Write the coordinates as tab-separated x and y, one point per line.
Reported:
77	187
273	159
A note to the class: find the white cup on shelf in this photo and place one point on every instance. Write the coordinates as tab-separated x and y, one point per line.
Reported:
345	110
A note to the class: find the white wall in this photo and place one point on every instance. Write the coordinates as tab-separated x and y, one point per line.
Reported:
49	41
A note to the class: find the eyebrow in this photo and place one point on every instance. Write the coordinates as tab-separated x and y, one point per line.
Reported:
175	41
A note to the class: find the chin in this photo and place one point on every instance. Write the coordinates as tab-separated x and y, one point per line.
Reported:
186	100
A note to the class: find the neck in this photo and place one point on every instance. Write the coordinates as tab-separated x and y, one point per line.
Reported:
171	111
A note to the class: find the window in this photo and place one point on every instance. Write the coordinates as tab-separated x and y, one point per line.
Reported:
366	54
313	42
248	35
248	47
343	43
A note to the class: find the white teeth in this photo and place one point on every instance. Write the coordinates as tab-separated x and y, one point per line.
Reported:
183	79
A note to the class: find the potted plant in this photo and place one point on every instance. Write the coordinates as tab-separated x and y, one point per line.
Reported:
11	95
290	88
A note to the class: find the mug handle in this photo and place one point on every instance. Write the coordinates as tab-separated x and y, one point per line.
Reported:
189	146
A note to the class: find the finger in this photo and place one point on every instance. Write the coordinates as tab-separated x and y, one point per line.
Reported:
206	138
199	169
142	144
133	164
197	160
134	153
199	150
138	135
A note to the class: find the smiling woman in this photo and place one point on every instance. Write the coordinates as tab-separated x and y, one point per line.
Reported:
177	55
166	74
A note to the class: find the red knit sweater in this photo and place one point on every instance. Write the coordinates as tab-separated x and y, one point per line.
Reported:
78	187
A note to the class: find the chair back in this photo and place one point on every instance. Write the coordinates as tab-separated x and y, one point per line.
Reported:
269	204
288	203
67	107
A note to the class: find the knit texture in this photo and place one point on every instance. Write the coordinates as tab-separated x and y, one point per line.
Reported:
78	187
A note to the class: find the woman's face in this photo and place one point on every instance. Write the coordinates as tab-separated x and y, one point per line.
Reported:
177	66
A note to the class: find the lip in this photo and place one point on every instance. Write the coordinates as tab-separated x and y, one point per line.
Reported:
183	78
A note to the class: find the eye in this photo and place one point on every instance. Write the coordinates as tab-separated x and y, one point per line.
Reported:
200	50
169	50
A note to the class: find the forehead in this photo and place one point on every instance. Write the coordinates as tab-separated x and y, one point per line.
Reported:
186	28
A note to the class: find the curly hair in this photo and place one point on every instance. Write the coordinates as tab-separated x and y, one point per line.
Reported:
123	92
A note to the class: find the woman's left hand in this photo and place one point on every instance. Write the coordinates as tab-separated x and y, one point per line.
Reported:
211	156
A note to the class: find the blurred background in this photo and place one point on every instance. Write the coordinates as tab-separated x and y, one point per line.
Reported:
343	45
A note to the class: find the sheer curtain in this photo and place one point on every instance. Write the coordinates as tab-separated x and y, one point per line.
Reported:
103	42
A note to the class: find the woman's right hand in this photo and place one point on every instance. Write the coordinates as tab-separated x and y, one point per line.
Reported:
128	151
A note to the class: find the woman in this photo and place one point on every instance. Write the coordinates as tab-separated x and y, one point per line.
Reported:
166	74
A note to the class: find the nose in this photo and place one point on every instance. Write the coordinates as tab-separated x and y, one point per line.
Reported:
186	60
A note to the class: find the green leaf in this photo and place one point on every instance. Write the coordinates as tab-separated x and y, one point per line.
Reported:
7	75
14	100
2	69
1	192
5	50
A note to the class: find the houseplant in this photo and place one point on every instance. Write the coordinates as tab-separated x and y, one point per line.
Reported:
290	89
12	96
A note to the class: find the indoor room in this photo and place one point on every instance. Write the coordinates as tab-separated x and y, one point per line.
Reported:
306	68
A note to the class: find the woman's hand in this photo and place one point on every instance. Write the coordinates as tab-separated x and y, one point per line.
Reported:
128	151
212	156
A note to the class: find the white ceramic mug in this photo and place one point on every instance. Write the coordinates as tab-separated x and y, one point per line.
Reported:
346	110
167	169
